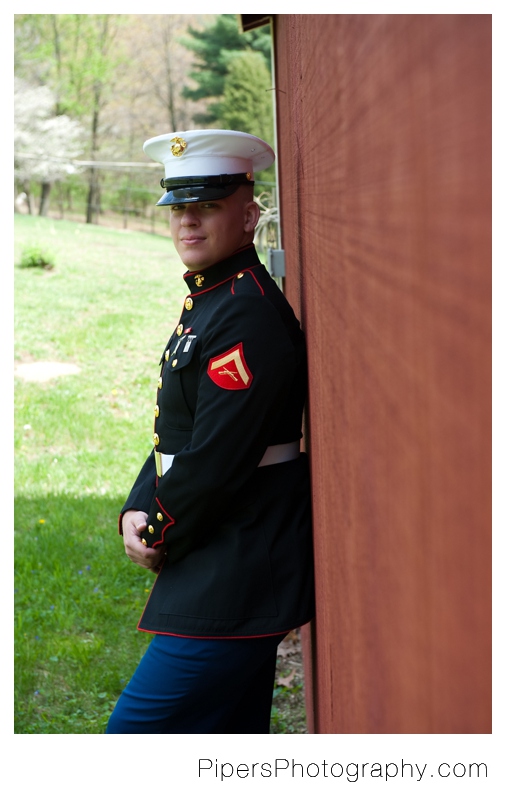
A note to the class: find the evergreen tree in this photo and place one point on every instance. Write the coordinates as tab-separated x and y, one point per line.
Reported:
247	100
215	47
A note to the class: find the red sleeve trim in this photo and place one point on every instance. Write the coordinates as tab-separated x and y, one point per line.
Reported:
168	525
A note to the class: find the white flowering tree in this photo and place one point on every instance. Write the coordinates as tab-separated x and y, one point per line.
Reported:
45	145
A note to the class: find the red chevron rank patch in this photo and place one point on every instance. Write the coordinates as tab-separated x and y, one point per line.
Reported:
230	371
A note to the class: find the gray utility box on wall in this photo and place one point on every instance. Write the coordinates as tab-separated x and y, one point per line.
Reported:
276	262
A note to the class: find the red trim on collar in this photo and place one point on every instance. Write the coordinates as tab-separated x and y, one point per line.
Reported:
235	253
226	280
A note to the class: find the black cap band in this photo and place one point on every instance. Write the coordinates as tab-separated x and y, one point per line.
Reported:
206	180
199	188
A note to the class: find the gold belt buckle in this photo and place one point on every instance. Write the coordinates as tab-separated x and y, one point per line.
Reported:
158	463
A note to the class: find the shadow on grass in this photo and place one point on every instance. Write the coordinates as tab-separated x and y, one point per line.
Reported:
77	602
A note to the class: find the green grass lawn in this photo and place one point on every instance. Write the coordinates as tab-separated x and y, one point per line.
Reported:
108	307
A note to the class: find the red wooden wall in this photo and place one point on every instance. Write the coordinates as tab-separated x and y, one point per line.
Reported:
384	153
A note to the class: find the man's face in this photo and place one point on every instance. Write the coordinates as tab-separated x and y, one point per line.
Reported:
205	233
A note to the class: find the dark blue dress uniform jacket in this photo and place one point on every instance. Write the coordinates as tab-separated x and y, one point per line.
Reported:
238	536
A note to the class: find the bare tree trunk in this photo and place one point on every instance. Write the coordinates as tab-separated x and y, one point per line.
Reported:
94	189
92	202
44	199
60	199
167	37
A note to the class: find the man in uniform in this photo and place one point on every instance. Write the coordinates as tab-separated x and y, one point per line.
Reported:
221	508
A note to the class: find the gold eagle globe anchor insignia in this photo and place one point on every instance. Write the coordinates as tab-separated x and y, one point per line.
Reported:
178	147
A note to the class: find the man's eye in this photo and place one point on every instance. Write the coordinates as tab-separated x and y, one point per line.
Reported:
177	208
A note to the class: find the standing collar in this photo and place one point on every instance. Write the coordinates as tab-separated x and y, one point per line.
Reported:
222	271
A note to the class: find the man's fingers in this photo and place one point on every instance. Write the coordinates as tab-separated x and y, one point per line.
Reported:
140	554
135	545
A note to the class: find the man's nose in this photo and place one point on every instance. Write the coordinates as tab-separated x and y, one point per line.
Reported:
190	217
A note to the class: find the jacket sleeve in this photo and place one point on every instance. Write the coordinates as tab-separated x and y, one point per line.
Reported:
232	426
142	492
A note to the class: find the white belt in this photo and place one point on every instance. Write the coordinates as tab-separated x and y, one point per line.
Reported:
275	454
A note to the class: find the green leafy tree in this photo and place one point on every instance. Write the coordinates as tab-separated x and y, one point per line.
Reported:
214	48
74	55
45	144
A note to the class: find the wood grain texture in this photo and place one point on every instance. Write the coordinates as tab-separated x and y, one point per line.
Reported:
384	150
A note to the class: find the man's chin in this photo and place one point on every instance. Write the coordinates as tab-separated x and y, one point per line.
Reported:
192	259
191	266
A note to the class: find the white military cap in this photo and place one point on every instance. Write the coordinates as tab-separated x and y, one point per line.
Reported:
207	164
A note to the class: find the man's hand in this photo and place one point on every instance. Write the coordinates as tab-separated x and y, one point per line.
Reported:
133	524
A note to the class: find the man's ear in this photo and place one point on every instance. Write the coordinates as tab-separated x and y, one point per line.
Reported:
251	216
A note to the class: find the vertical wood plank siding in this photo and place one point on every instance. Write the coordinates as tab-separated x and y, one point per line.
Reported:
384	148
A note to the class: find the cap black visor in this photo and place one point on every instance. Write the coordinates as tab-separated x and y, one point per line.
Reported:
199	189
